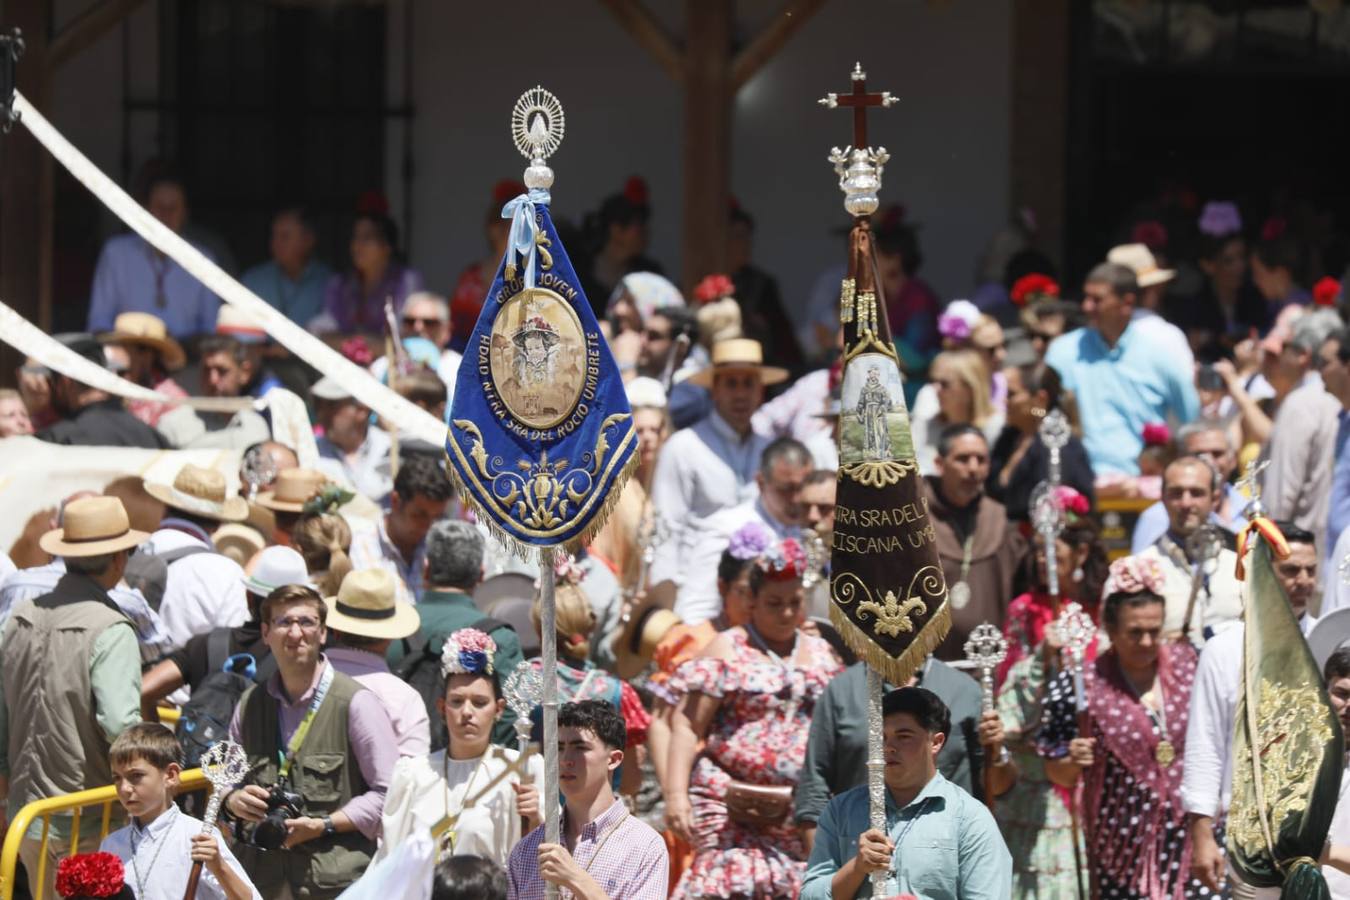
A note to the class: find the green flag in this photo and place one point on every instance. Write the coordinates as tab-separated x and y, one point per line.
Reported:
1285	793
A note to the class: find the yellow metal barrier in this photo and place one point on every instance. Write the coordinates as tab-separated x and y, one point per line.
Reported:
168	715
103	797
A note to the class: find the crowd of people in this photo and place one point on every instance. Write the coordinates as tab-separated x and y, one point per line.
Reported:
351	626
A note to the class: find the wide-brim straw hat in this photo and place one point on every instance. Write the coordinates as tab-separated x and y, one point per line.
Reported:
238	542
92	526
200	492
1331	633
292	489
738	353
147	331
1140	259
650	620
367	605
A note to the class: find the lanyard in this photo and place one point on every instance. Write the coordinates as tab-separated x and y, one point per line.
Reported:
302	730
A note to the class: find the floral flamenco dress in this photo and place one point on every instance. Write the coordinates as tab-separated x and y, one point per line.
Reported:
758	736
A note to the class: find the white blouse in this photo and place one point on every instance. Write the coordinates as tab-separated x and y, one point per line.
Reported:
424	789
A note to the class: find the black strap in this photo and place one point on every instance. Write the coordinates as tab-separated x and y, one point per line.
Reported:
217	649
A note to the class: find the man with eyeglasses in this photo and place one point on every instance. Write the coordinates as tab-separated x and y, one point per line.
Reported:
318	733
426	315
783	468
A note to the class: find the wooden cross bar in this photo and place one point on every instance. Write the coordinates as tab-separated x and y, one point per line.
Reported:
859	100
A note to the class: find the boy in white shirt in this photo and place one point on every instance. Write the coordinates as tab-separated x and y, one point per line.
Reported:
161	844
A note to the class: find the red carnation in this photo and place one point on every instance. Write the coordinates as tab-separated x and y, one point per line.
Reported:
357	350
714	287
1274	228
635	190
1152	234
1034	287
90	875
1157	434
1326	291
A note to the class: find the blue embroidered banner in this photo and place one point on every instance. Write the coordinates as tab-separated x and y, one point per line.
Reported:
540	435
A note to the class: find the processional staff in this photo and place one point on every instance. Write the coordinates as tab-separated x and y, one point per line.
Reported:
1075	631
986	648
1046	515
225	765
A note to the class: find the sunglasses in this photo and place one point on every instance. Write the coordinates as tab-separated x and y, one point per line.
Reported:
413	321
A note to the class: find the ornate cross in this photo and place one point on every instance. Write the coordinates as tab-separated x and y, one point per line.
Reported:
859	100
523	691
986	648
225	765
1048	520
1075	631
1252	487
1054	433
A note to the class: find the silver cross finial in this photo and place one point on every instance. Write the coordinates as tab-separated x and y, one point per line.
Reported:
985	649
1251	485
224	764
523	691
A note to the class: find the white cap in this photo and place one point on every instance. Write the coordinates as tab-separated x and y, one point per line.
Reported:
327	388
644	391
276	567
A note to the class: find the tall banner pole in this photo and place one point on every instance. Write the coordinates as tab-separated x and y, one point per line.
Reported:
548	624
888	594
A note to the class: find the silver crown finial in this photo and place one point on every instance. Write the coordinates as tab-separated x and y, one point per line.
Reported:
537	125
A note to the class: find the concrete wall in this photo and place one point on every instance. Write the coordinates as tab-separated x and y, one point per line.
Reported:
948	62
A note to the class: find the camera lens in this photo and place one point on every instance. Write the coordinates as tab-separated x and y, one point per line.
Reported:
270	833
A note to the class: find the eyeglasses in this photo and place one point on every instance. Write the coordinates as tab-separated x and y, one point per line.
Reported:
308	624
413	321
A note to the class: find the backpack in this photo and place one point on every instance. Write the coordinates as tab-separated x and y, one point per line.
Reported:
421	668
149	572
205	718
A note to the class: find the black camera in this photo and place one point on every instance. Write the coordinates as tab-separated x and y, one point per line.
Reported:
270	833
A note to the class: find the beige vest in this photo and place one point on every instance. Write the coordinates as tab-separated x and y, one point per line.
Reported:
56	745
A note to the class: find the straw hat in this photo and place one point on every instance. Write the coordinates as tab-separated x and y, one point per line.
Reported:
238	542
1140	259
292	489
200	492
648	622
738	353
239	325
1331	633
366	605
148	331
92	526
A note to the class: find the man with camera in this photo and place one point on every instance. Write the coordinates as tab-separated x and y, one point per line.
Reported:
320	763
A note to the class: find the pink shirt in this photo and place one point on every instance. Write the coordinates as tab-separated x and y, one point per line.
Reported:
407	711
624	855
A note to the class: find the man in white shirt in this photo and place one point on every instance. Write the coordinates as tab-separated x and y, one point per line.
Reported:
351	451
783	466
1208	439
397	540
202	589
711	466
1207	777
1191	489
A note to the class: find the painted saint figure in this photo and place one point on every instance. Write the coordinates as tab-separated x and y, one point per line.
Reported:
873	404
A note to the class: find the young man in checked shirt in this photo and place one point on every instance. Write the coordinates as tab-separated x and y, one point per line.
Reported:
606	853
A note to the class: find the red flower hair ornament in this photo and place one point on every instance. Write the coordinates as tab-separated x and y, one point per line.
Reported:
714	287
90	875
1034	288
786	562
1157	434
1326	291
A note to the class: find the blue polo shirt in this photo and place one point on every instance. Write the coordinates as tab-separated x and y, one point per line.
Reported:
1121	389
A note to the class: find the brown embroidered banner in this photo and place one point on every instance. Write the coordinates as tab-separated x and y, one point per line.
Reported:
887	587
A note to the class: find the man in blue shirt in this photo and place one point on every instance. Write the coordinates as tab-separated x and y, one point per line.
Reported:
1333	362
940	843
133	276
1122	380
292	280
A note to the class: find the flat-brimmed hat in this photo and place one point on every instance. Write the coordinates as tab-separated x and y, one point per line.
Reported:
237	541
92	526
1331	633
239	325
201	492
738	353
647	623
147	331
292	489
1139	258
367	605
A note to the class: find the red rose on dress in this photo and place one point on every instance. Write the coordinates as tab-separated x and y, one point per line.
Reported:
90	875
1033	287
714	287
1326	291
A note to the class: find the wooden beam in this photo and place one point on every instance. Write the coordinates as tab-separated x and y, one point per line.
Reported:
86	29
643	27
707	139
767	43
